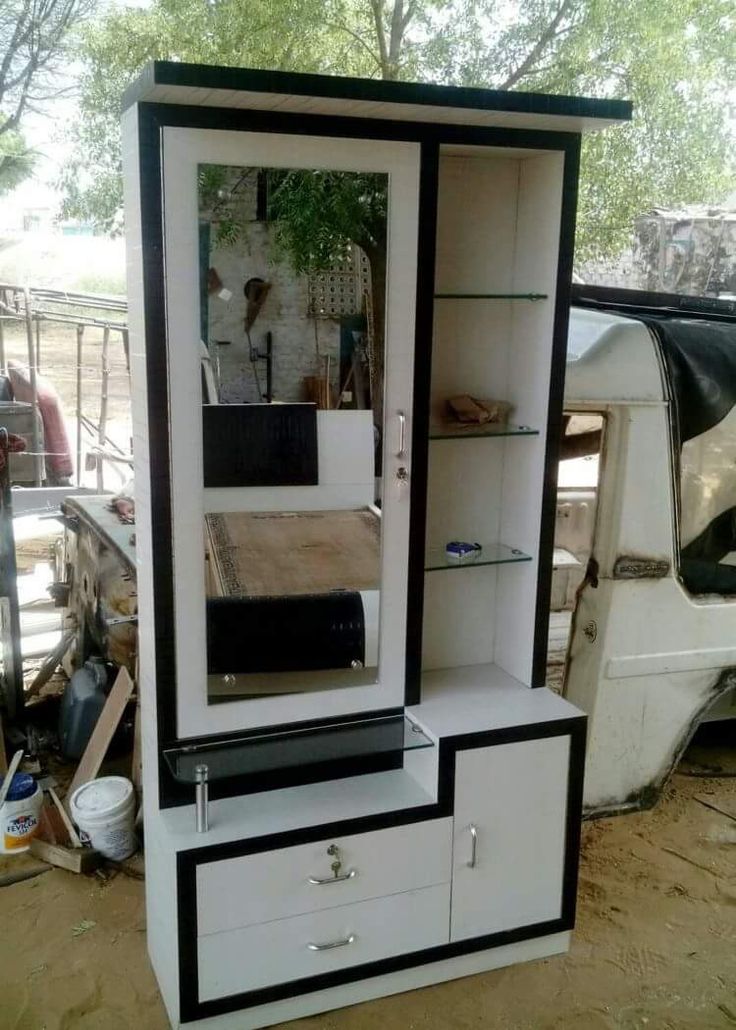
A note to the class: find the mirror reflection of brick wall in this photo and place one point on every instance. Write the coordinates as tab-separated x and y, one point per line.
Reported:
301	312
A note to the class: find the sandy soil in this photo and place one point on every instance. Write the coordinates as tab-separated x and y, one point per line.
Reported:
655	943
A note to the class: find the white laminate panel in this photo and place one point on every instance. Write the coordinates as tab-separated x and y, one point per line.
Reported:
381	986
474	698
515	797
272	885
528	388
278	952
295	808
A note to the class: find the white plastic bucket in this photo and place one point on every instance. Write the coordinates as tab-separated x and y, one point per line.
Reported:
104	811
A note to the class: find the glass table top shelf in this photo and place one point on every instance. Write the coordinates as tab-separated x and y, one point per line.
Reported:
270	752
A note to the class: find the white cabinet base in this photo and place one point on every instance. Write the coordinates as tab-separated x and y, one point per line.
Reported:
382	986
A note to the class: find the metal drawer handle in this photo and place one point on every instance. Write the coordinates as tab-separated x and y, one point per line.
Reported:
332	944
333	879
473	846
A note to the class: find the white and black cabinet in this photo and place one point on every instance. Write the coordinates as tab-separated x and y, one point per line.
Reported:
384	800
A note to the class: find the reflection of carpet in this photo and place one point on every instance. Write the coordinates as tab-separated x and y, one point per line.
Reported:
267	554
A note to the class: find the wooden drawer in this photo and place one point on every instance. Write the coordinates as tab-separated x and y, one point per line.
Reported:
258	888
259	956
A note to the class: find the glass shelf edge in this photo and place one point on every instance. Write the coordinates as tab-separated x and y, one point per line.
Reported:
491	296
495	554
260	753
474	432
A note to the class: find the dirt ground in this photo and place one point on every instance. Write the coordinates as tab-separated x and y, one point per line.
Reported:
655	944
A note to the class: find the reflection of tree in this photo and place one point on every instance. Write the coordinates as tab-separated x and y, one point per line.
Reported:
316	215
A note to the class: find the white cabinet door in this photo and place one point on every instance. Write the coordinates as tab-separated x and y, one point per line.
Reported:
343	481
512	798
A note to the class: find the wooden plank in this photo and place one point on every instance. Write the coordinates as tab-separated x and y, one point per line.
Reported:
75	860
51	663
136	772
68	824
727	808
102	734
269	554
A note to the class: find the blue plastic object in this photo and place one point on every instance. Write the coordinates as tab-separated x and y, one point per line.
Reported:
83	701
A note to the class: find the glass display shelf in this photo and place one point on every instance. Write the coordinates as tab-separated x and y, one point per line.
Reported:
269	752
472	430
435	558
491	296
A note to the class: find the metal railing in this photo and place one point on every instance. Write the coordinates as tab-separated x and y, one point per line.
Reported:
35	307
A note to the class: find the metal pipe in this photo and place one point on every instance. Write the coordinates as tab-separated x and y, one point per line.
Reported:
201	798
102	428
35	442
269	367
80	335
2	336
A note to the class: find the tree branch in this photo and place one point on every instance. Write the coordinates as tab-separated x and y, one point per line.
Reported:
359	39
377	9
539	47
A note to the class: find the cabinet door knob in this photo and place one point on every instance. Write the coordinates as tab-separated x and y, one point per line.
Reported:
332	944
473	846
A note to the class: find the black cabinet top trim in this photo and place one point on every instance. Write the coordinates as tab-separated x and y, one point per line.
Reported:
181	74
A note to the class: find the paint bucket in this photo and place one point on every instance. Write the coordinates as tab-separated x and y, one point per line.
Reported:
19	814
104	811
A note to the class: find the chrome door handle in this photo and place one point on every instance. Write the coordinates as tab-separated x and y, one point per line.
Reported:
401	453
333	879
473	846
332	944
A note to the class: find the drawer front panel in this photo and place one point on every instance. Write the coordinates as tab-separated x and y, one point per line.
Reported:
279	952
237	892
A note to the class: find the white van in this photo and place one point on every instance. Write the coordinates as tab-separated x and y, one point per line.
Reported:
645	561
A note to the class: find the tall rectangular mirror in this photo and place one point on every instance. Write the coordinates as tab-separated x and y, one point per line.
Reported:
292	290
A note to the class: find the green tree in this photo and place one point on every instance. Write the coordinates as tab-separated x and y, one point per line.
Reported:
34	39
673	58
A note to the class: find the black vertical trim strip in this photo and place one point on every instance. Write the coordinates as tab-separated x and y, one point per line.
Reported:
188	934
427	243
159	420
554	415
575	781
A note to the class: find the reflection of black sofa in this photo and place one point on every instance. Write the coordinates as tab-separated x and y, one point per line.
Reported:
260	445
285	634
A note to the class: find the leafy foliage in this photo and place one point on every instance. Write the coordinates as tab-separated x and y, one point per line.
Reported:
318	213
673	58
16	160
34	46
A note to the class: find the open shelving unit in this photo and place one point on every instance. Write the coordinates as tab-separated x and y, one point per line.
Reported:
495	271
